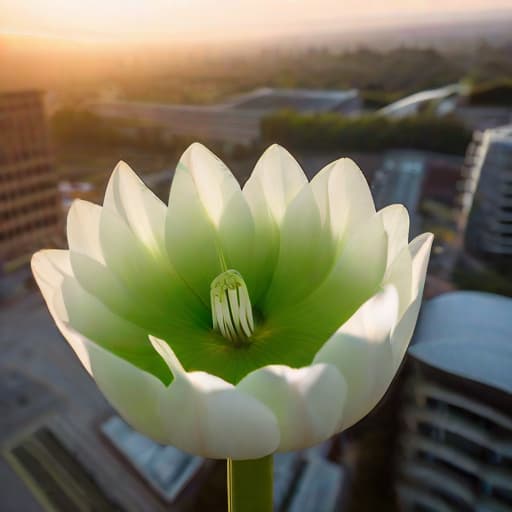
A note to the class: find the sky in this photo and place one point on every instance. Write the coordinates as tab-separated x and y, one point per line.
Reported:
185	20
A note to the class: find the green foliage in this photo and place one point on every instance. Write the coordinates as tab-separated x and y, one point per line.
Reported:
367	133
497	93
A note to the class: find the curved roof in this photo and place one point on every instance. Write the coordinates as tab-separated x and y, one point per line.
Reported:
468	334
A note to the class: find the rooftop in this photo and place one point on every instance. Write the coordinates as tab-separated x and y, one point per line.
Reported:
410	103
302	100
467	334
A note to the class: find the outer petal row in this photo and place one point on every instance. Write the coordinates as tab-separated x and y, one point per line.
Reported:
369	347
197	412
273	408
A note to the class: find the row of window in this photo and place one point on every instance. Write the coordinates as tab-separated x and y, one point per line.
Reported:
23	152
29	207
24	172
36	224
28	190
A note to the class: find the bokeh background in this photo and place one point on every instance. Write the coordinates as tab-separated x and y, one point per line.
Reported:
417	92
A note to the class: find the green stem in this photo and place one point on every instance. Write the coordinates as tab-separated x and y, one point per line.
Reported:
250	485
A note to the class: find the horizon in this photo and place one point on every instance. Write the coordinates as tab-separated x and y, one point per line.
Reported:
138	24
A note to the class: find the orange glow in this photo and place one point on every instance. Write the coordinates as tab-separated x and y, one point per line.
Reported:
191	20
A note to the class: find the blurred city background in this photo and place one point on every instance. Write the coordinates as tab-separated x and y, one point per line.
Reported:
418	93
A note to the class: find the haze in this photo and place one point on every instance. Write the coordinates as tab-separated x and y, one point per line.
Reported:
201	20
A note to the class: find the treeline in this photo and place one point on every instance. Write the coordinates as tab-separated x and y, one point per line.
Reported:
367	133
69	126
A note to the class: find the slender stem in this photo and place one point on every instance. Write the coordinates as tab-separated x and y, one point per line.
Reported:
250	485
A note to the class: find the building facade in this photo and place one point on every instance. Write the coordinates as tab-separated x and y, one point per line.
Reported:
487	194
29	206
456	437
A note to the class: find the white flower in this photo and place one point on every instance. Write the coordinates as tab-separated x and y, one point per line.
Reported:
278	314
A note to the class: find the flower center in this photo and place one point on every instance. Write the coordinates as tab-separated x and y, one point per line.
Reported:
231	307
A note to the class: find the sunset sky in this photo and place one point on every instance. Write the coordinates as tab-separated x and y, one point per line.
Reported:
217	19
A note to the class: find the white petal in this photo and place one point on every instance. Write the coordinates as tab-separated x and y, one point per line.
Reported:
207	416
128	196
399	274
213	181
343	196
83	229
402	334
134	393
361	351
396	223
50	268
307	402
278	178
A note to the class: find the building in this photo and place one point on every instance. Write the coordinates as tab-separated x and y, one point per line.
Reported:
399	180
267	99
456	440
440	101
487	194
29	205
483	117
237	121
206	123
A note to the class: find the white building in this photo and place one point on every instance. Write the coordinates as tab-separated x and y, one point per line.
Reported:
487	194
440	101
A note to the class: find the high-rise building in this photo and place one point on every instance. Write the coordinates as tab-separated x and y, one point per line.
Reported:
487	198
29	207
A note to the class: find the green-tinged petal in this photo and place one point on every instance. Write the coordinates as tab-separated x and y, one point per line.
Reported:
402	333
150	280
100	282
83	229
207	416
396	223
361	351
143	212
343	197
306	253
95	321
71	306
307	402
300	330
208	223
86	221
278	178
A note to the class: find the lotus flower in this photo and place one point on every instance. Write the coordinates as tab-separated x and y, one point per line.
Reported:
234	323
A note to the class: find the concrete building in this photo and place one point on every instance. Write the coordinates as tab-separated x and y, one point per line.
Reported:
237	121
29	206
456	441
487	193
